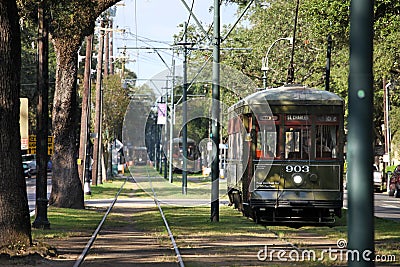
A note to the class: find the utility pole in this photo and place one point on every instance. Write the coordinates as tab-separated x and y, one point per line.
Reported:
84	148
96	169
111	47
171	121
360	142
184	117
41	220
106	50
215	113
165	145
123	64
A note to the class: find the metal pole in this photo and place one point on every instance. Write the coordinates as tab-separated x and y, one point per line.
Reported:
290	76
165	145
215	112
184	119
265	65
86	148
360	141
111	47
97	127
171	121
328	63
41	220
386	120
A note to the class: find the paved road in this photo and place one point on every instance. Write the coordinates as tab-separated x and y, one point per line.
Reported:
385	206
31	191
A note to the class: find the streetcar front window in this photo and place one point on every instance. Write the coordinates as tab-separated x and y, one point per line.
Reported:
298	142
326	141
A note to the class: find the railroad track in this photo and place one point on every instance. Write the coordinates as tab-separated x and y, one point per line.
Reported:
229	250
86	251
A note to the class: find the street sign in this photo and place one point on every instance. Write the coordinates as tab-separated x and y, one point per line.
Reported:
32	145
118	145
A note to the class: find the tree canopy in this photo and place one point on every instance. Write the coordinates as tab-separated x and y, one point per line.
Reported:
274	19
69	23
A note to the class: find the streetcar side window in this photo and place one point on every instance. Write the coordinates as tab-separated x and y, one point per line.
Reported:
266	143
234	146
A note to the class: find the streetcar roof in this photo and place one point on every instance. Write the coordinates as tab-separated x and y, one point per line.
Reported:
293	94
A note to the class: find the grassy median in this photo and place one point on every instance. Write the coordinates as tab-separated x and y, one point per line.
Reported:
192	226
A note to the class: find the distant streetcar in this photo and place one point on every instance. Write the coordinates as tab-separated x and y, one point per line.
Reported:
139	155
285	157
193	162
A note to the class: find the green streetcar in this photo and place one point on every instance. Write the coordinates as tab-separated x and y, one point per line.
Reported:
285	155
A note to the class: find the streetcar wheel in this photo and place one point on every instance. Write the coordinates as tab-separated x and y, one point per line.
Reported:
255	216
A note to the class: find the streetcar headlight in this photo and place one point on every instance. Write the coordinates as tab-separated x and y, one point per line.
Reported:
297	179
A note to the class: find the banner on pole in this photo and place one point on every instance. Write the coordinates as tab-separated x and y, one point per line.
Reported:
162	113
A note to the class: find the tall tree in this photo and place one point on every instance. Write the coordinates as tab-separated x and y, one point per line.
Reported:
14	213
270	20
70	22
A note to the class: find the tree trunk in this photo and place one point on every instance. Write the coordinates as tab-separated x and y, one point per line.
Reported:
14	212
67	33
67	189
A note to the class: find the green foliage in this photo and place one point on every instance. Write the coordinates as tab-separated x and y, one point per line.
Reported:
316	20
29	70
115	102
69	16
68	19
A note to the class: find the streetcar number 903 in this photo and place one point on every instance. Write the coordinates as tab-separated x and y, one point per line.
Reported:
297	168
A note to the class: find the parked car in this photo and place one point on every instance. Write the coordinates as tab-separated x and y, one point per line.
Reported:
30	160
394	184
379	183
27	170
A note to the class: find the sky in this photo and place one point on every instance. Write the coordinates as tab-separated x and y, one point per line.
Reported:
152	24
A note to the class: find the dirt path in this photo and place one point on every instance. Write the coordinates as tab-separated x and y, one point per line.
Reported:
128	246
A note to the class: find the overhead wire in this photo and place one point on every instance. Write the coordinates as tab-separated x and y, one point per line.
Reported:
188	21
136	41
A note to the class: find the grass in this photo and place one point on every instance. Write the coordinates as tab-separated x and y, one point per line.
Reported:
152	182
186	222
65	223
109	189
196	221
68	222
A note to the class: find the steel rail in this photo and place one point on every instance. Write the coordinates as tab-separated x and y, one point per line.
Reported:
171	236
89	244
